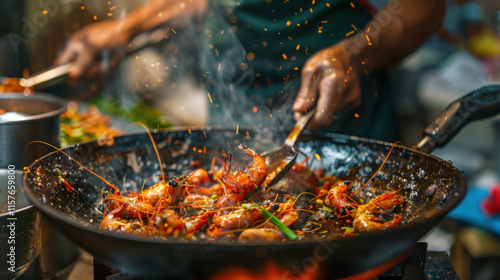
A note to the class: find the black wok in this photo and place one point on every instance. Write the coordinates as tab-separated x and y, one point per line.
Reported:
431	186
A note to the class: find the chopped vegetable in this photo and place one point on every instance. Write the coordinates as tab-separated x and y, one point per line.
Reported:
327	208
288	232
319	202
348	230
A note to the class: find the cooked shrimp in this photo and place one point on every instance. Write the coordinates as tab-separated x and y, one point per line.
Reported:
339	198
248	180
240	218
364	218
242	182
261	234
113	222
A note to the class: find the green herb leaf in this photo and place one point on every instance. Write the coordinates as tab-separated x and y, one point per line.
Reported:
288	232
348	229
327	208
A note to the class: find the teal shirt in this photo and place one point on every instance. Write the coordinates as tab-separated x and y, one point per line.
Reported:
256	50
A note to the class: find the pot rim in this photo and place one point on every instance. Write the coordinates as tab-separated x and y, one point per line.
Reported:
37	97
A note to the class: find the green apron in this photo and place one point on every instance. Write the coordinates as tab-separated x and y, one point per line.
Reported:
256	50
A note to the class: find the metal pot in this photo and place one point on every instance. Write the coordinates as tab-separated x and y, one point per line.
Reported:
20	226
37	119
32	118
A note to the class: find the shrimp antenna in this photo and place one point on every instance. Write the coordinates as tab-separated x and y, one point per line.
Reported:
154	146
378	170
92	172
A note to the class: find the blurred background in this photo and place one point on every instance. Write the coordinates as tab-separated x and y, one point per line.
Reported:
464	55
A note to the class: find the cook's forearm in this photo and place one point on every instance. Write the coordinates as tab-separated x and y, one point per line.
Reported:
396	31
158	12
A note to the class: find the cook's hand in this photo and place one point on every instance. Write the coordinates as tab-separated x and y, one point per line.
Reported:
94	48
329	73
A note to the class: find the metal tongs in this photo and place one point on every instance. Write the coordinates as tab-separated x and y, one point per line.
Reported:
283	158
46	77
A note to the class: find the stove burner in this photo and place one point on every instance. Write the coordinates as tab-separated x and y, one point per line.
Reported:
421	264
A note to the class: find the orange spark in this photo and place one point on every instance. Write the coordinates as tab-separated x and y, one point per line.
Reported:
288	23
209	97
298	47
237	129
352	5
250	56
354	27
349	33
255	109
82	7
45	12
356	115
368	39
317	156
284	56
189	130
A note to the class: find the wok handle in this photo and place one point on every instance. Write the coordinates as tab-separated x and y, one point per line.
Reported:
479	104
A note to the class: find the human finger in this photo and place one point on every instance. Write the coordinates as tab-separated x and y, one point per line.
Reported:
331	89
308	91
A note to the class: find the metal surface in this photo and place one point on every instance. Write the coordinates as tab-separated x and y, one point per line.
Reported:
19	229
287	153
42	123
431	186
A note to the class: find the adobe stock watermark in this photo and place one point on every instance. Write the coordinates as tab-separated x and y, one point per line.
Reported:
32	25
310	265
11	226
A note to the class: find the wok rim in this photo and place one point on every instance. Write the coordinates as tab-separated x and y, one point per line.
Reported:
75	223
